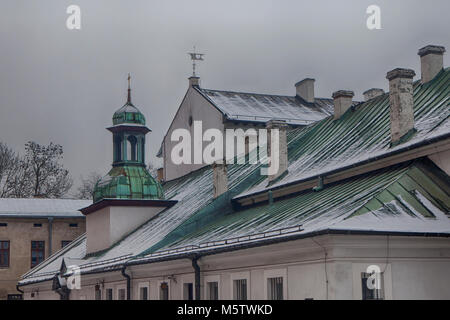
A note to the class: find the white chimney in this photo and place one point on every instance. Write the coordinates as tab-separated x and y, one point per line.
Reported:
283	153
305	89
220	178
342	100
431	61
194	81
401	102
372	93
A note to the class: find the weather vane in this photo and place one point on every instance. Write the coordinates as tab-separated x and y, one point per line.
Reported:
195	57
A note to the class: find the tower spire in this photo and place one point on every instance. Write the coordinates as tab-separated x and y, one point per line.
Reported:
129	89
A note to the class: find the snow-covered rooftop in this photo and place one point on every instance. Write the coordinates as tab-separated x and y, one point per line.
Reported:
35	207
254	107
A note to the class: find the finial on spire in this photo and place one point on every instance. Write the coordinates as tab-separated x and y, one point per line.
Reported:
129	88
195	57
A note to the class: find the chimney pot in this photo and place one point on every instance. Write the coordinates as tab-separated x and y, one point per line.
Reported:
372	93
431	61
220	178
342	101
282	143
401	102
305	89
160	174
194	81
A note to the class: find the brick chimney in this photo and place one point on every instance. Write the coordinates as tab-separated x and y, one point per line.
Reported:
342	100
305	89
401	102
372	93
431	61
282	143
220	178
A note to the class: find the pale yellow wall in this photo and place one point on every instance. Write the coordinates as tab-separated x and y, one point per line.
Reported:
20	233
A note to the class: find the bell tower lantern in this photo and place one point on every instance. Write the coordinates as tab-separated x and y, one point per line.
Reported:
128	177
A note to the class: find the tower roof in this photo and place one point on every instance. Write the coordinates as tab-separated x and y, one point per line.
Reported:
129	177
128	113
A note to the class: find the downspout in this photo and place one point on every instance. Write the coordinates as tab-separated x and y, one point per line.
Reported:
20	290
50	237
126	276
197	276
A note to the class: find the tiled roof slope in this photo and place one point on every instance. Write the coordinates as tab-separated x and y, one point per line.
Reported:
240	106
410	198
35	207
363	132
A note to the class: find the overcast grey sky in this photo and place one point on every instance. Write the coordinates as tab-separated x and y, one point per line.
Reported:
64	85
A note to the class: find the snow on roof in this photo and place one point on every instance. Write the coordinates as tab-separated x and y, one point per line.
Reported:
391	200
398	199
363	134
193	192
255	107
35	207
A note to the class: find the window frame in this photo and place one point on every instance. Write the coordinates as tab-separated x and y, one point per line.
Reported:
275	273
118	288
8	251
37	250
207	280
240	276
378	294
107	290
65	241
159	288
143	285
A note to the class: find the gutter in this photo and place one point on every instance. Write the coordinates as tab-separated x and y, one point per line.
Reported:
50	235
126	276
196	267
189	255
18	289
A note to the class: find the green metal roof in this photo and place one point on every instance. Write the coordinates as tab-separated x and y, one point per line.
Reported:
128	114
128	182
363	133
410	198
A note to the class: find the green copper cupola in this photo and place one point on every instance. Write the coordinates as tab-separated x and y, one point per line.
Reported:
128	178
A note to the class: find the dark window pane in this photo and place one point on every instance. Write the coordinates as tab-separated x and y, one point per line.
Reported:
37	252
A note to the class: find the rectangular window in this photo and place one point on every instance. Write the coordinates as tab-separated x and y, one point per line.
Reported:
275	288
213	290
73	225
164	291
4	254
369	284
143	293
240	289
109	294
65	243
121	294
98	292
188	291
37	252
37	225
3	224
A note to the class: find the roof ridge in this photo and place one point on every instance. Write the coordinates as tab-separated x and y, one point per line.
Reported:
257	94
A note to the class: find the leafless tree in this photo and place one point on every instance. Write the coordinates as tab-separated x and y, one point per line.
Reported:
48	177
9	170
86	189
